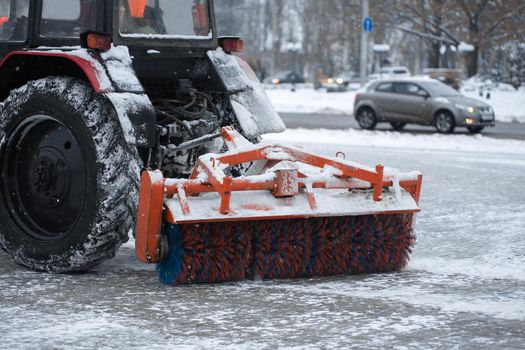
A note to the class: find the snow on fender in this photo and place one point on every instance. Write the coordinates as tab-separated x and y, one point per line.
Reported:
252	107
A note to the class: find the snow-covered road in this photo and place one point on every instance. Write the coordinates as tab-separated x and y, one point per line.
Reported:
463	289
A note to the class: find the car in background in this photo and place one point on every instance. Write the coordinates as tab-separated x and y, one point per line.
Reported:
391	72
420	101
345	81
285	77
372	77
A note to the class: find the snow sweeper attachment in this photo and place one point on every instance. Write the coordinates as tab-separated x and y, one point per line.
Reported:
292	214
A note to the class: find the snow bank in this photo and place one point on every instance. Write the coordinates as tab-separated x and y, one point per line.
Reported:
392	139
509	106
312	101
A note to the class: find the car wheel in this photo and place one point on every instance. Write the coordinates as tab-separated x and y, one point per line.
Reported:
398	126
366	118
475	129
444	122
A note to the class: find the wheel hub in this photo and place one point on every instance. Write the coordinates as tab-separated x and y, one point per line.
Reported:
49	177
44	174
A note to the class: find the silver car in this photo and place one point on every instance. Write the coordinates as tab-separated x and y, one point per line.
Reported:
420	101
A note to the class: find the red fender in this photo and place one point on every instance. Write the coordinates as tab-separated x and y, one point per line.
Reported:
94	74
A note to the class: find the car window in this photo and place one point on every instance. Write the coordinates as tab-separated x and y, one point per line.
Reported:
440	89
407	88
283	75
384	87
400	71
13	20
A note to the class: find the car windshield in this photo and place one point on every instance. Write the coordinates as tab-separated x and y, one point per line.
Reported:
440	89
346	75
165	18
283	75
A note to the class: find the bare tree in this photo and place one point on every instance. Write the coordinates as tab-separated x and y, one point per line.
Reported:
490	22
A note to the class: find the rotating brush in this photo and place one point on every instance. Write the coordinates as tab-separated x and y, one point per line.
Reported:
276	249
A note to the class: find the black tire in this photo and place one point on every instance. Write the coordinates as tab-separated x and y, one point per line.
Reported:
398	126
69	183
366	118
444	122
475	129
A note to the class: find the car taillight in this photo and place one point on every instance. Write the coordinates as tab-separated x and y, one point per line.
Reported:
3	20
230	45
357	95
96	41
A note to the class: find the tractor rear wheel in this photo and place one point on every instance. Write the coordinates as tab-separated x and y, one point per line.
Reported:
69	181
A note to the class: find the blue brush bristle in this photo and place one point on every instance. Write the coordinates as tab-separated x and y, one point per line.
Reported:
170	268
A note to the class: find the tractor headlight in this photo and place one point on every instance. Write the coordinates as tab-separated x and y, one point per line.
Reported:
464	108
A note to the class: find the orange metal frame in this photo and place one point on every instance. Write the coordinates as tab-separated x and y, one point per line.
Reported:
155	188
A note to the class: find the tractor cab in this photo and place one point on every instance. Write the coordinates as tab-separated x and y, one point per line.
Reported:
151	23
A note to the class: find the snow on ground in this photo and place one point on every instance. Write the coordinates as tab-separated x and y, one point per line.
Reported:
308	100
393	139
464	287
508	105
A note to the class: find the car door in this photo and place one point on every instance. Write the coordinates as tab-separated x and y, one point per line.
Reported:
411	102
383	99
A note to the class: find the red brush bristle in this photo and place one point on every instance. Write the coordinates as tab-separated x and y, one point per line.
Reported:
232	251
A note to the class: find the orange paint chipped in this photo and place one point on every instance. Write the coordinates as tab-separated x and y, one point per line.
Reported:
259	207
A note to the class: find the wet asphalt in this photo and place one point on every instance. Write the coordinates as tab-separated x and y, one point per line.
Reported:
502	130
463	289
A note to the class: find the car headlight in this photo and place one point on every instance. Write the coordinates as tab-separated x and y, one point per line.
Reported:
276	81
330	81
464	108
339	81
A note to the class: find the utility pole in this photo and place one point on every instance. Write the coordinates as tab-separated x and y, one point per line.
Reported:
364	44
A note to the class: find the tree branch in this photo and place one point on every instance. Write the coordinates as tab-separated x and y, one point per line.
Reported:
500	20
